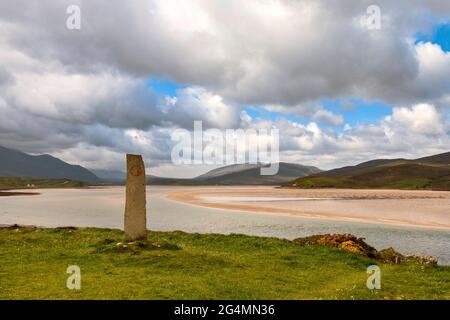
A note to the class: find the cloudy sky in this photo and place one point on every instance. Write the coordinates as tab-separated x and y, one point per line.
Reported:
338	91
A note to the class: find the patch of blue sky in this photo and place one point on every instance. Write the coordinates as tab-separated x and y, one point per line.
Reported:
164	86
354	111
446	112
440	34
357	111
260	113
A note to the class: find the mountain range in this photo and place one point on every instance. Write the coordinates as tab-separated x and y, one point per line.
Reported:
431	172
242	174
236	174
15	163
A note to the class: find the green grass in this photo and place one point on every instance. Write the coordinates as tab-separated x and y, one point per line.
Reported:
387	176
176	265
329	182
321	182
409	184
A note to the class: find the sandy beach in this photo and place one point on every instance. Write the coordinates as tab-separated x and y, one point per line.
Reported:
419	208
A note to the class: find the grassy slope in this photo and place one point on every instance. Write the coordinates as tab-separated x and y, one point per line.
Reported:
389	176
34	261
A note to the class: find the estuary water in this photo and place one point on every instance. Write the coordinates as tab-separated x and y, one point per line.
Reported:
104	208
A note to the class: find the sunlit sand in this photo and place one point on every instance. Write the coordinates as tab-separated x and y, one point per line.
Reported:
403	207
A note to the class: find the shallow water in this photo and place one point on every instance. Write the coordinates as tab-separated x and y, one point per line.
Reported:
104	208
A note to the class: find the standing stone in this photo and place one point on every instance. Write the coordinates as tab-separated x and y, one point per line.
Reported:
135	203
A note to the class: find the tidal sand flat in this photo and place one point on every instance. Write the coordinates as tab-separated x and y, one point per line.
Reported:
418	208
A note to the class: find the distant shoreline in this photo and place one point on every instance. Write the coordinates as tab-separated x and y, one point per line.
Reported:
16	193
9	192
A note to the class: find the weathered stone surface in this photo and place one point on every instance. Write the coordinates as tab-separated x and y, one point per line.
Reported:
135	204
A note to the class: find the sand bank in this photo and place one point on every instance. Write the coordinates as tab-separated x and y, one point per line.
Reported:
420	208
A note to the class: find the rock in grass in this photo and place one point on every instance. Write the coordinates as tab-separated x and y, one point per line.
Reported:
391	256
347	242
351	243
135	247
422	259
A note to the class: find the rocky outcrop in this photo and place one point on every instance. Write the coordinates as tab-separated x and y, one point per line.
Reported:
351	243
347	242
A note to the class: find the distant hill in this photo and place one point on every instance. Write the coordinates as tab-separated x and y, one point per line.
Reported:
241	174
15	163
222	171
237	174
250	174
111	176
431	172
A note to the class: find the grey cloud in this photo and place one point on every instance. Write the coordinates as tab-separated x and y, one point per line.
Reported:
253	52
409	132
84	90
328	117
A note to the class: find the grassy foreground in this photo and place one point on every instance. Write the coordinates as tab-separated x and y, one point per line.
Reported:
177	265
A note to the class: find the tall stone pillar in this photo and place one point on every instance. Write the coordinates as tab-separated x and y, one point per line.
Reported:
135	203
